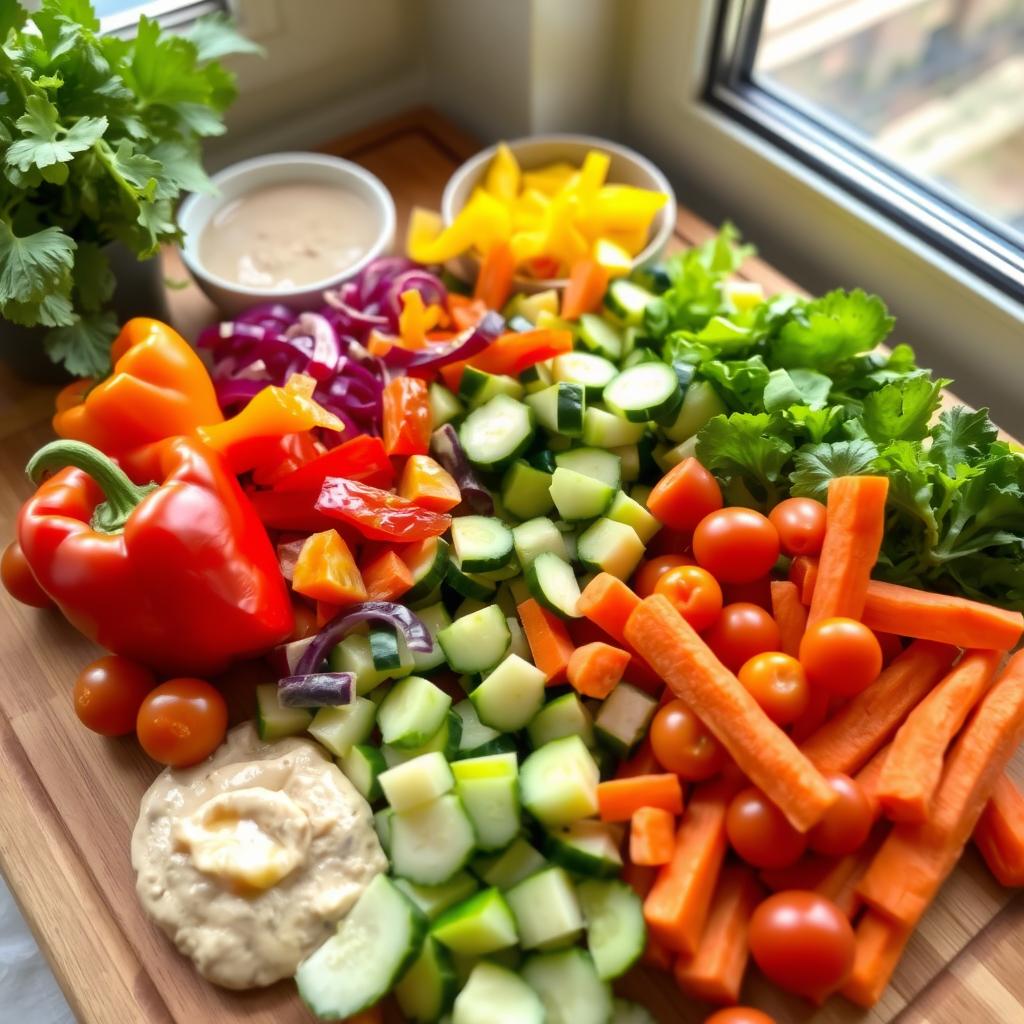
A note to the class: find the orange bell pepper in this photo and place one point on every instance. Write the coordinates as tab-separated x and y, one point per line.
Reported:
326	571
406	403
428	484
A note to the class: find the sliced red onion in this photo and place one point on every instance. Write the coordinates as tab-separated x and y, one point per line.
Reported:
238	391
378	275
325	352
466	344
354	316
447	449
317	690
428	285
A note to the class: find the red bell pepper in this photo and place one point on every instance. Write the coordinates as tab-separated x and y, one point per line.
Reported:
406	416
377	514
363	458
511	354
164	561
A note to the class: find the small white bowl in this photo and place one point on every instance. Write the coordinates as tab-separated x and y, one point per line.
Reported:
276	169
627	167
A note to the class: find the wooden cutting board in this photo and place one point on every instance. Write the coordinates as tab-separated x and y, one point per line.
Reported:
68	798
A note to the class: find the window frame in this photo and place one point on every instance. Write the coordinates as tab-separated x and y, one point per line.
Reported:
170	14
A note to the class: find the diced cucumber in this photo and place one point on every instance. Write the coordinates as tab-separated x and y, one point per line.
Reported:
469	585
363	766
536	536
585	368
497	433
558	782
546	910
596	463
531	306
445	741
543	458
647	391
444	406
273	721
525	490
474	732
638	356
489	790
553	583
433	900
478	387
700	404
354	655
428	562
374	945
629	511
482	543
496	995
382	826
418	781
384	648
479	925
340	729
600	336
604	429
427	989
511	695
666	457
431	842
509	958
518	861
629	459
627	301
587	848
624	717
560	408
569	987
566	715
518	645
610	546
412	712
476	642
625	1012
435	617
616	933
578	497
506	572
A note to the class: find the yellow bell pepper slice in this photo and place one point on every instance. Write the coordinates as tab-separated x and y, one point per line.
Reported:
593	172
622	207
616	260
633	240
503	176
550	179
527	245
425	227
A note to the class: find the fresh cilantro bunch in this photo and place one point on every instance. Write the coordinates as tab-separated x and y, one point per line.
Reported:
811	397
98	137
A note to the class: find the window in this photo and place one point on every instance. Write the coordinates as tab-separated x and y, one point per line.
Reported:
914	106
121	16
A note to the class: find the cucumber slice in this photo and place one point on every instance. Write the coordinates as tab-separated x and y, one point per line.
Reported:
535	537
430	843
553	583
589	848
569	986
496	995
578	497
427	989
497	433
648	391
629	460
593	462
444	741
412	712
340	729
384	648
546	910
600	336
489	790
417	782
524	490
536	378
482	543
518	645
593	372
428	562
627	301
629	511
624	717
610	546
566	715
479	925
434	900
374	945
469	585
476	642
558	782
354	655
604	429
616	933
474	732
444	406
700	404
382	826
273	721
531	306
560	408
506	869
435	617
625	1012
478	386
511	695
363	766
543	458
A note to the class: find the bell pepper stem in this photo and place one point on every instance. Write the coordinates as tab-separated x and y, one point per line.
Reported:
122	495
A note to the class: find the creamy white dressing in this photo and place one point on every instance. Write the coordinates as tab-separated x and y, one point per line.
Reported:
288	235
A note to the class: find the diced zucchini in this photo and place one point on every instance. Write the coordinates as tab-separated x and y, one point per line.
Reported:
444	406
616	933
625	1012
531	306
476	642
536	536
629	459
536	378
568	985
431	842
596	463
560	408
418	781
497	433
578	497
474	732
518	861
470	585
478	387
427	989
525	490
489	789
496	995
629	511
624	717
479	925
627	301
340	729
384	648
558	782
610	546
433	900
274	721
585	368
604	429
666	457
553	583
382	826
354	655
435	617
647	391
482	543
587	848
363	766
566	715
518	645
511	695
445	741
427	561
700	404
600	336
412	712
546	910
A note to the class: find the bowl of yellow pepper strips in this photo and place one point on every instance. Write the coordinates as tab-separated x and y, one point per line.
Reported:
544	204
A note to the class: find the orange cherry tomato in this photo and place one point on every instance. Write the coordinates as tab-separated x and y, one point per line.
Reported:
684	496
646	577
694	593
847	823
740	1015
742	630
736	545
800	523
682	745
182	722
109	692
759	832
778	683
18	580
840	656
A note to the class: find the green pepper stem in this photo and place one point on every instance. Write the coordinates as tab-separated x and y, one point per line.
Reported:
122	495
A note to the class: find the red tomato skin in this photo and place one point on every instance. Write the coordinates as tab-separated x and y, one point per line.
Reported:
694	593
648	572
109	692
736	545
840	656
847	823
742	630
800	523
182	722
740	1015
18	580
685	495
682	745
759	832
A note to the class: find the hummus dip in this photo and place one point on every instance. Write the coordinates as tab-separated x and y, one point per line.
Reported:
248	860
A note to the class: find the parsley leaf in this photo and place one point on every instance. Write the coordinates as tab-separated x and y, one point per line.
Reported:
739	382
46	141
84	346
817	464
961	437
749	452
34	264
215	36
902	410
796	387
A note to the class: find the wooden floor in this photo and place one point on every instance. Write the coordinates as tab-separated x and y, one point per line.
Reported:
68	799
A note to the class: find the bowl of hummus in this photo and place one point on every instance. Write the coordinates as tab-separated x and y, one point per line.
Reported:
248	860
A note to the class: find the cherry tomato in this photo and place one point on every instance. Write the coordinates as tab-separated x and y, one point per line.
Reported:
682	745
646	577
740	1015
684	496
778	683
18	580
742	630
669	542
800	523
109	692
759	832
736	545
847	823
803	942
694	593
840	656
182	721
757	592
891	644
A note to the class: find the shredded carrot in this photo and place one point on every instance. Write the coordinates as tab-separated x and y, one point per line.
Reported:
865	722
715	971
549	640
597	668
652	836
879	944
999	834
761	749
497	272
915	860
853	538
619	799
386	577
914	766
588	281
790	615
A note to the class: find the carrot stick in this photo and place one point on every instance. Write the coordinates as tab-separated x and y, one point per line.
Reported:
761	749
677	905
915	860
870	775
840	883
386	578
715	971
853	538
597	668
652	836
494	281
999	834
879	944
620	799
913	768
548	639
789	614
803	571
585	290
848	739
643	762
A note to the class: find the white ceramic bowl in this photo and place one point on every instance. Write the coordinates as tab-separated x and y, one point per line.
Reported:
280	168
627	168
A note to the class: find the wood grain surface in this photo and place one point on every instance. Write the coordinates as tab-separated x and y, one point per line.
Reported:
68	798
